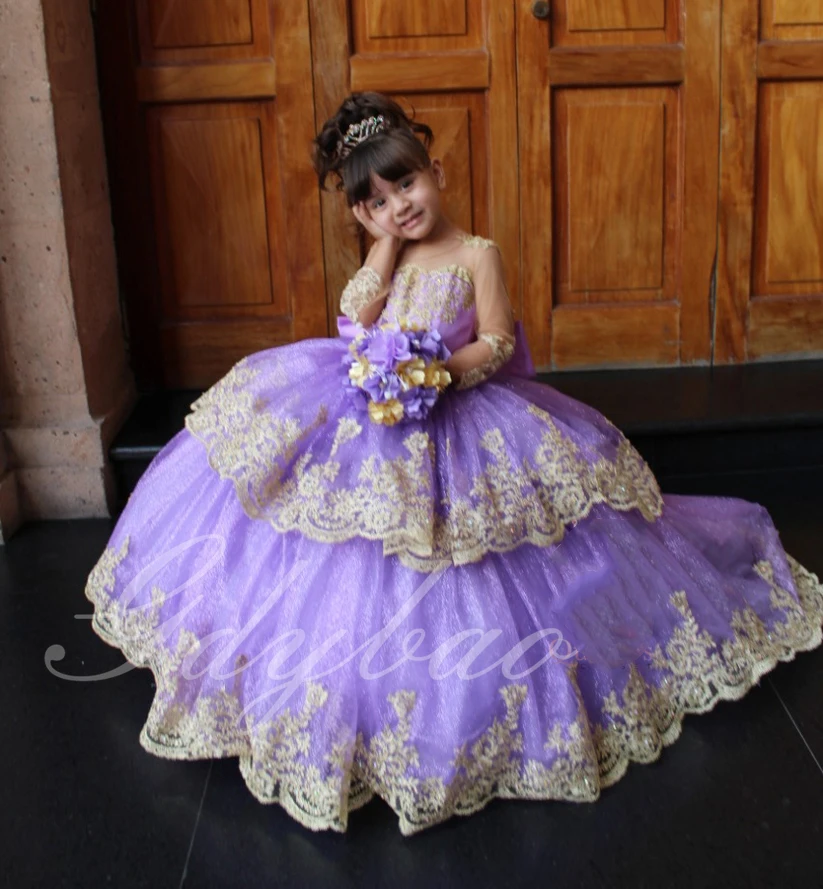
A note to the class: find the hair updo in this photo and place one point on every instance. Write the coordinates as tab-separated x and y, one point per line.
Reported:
392	153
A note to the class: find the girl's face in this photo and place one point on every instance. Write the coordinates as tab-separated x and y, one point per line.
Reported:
408	208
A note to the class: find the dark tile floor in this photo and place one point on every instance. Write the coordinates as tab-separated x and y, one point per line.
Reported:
736	802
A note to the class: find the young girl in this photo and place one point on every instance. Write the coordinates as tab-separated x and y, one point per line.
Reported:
491	599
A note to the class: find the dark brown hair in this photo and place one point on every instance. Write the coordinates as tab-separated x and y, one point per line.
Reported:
392	153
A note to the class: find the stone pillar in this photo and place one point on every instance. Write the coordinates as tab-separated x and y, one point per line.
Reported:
65	383
9	505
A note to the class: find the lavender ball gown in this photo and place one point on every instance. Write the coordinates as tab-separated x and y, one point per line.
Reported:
494	602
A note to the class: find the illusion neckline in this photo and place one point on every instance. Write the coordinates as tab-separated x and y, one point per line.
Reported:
451	267
446	267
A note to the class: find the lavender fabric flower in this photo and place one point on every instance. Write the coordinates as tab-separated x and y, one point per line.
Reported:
432	346
382	387
386	349
418	401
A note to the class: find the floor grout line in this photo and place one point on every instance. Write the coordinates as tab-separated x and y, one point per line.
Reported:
796	726
196	825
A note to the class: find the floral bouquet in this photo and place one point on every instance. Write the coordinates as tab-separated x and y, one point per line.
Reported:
396	372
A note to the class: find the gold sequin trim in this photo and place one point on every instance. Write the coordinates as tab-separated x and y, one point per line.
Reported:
582	755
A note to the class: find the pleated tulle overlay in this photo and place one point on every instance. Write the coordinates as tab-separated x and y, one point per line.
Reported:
496	603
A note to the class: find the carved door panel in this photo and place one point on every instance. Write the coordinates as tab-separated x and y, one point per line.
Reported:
209	119
618	105
589	138
770	258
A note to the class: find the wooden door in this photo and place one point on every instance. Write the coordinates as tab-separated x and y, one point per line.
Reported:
770	260
454	65
209	113
587	137
619	114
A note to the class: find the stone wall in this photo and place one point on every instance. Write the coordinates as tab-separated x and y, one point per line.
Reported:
65	383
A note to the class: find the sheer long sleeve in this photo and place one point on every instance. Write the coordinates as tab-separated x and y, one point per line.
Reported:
494	346
365	288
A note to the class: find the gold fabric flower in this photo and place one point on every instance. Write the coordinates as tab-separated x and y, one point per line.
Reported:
386	412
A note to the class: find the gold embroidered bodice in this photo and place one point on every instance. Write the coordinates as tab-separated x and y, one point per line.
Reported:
423	295
428	298
467	296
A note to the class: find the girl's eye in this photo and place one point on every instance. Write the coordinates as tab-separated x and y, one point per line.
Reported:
377	203
407	183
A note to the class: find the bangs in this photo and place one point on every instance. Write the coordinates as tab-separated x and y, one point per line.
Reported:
390	155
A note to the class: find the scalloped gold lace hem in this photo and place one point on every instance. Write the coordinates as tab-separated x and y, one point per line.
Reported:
415	551
695	673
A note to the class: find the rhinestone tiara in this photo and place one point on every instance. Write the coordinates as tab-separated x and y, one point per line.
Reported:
359	132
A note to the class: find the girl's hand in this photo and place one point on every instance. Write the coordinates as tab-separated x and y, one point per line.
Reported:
362	215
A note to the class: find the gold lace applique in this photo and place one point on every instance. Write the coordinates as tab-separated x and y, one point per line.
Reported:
509	505
249	442
782	636
127	628
214	725
574	773
477	242
347	430
393	500
102	577
502	347
360	291
427	298
590	753
275	770
480	770
698	671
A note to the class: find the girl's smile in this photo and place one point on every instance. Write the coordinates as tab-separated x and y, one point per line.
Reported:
408	207
410	223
